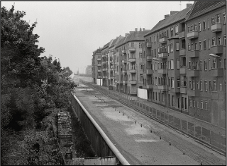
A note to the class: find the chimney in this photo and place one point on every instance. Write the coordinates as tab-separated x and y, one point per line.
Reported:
188	5
135	29
140	29
143	29
173	12
166	16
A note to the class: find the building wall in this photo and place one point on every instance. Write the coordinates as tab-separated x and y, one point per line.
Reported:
207	100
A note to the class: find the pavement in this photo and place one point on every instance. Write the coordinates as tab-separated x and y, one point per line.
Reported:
140	139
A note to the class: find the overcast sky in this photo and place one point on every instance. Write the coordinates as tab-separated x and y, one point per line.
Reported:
72	30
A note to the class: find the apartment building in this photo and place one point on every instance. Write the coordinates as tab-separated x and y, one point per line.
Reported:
206	61
163	61
111	62
104	54
96	66
130	53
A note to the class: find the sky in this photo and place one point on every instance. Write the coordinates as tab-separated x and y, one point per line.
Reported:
72	30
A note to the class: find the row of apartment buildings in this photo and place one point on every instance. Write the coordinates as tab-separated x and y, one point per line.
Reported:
180	63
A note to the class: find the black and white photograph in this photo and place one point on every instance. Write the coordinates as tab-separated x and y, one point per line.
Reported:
113	82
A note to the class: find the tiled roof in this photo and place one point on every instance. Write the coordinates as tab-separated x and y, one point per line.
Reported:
136	35
133	36
202	7
121	41
170	20
114	42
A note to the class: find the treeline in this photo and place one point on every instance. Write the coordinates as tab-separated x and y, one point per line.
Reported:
33	90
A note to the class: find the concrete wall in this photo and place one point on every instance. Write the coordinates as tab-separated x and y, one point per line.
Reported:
99	141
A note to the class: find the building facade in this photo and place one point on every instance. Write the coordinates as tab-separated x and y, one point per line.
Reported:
206	61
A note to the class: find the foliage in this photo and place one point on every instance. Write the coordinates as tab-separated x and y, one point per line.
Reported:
33	89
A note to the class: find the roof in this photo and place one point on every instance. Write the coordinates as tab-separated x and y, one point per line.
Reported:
202	7
114	42
121	41
136	35
133	36
170	20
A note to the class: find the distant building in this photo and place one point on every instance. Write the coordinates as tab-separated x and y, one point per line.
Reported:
89	70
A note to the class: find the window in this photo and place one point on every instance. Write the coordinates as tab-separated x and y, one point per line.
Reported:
224	63
205	107
219	41
176	29
139	45
190	105
171	32
201	85
197	85
210	86
204	45
224	40
192	48
194	103
220	87
172	82
201	104
171	47
205	86
195	27
200	28
196	46
200	45
188	29
213	43
208	23
177	46
178	64
224	18
204	25
218	18
212	21
171	64
189	47
197	104
214	85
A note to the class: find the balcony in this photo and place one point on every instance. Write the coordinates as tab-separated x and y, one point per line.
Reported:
162	50
175	90
149	58
148	44
162	87
192	92
216	28
149	71
149	86
99	77
182	34
132	92
193	54
99	64
132	49
99	59
183	90
99	70
182	70
132	81
163	55
216	72
192	35
131	59
162	71
103	62
163	40
217	49
123	51
193	73
182	52
132	70
125	82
